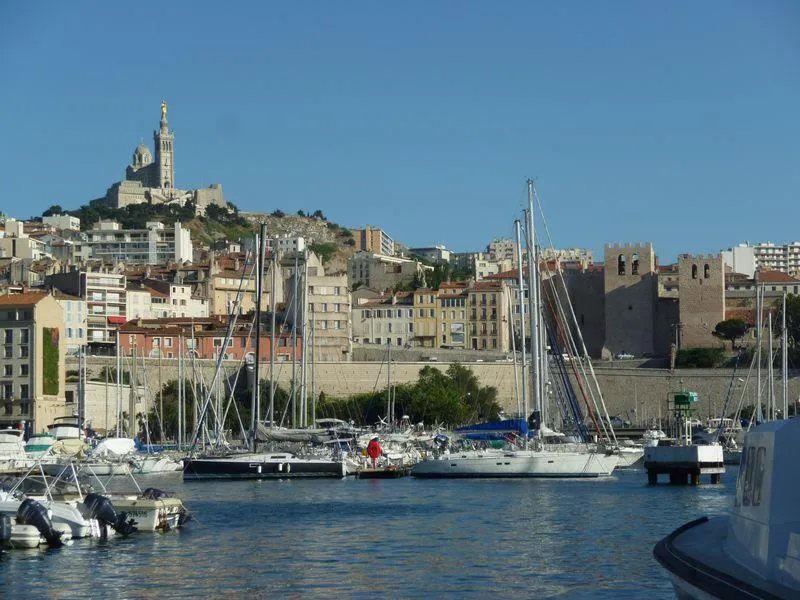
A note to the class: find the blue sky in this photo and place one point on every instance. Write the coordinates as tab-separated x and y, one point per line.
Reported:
670	122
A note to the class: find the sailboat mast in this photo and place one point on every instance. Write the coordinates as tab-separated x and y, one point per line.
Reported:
759	301
179	433
533	301
784	360
119	389
514	351
389	382
272	339
522	311
313	376
304	354
770	377
255	407
294	343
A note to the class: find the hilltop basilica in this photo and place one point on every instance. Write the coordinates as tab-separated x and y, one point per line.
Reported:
153	181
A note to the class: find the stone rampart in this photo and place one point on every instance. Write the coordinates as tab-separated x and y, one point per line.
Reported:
629	391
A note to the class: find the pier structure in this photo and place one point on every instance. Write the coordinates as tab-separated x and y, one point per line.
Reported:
684	461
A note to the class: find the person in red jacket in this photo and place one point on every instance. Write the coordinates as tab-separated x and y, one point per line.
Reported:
374	451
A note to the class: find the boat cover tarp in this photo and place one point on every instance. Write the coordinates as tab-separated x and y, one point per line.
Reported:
494	430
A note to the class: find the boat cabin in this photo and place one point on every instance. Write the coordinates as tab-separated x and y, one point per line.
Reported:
764	527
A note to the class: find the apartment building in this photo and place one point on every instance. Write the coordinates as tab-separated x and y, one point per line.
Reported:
488	316
434	254
63	222
105	295
32	372
15	243
153	245
74	320
232	273
425	307
204	338
373	239
327	323
452	313
383	272
384	320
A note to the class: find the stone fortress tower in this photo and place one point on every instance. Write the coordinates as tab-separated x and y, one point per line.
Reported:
631	289
153	181
701	298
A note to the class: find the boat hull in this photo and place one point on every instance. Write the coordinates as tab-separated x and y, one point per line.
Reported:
161	514
699	568
261	466
518	464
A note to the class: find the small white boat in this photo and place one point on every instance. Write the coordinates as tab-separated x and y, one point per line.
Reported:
755	552
151	510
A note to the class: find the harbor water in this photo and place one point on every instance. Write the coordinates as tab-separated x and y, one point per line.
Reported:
401	538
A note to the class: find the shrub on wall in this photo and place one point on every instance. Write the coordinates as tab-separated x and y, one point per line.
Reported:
50	361
700	358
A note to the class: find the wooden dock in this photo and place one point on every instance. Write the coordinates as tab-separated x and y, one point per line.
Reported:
390	472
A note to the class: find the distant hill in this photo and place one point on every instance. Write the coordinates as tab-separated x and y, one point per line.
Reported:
332	242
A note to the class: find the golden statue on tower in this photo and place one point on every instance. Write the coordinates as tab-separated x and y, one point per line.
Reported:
163	110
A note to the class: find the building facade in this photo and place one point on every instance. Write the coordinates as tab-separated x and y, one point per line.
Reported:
154	245
701	299
32	369
426	318
381	272
373	239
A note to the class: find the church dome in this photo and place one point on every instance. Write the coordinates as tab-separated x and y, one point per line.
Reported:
142	156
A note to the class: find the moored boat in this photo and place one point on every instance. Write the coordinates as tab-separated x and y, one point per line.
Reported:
754	552
270	465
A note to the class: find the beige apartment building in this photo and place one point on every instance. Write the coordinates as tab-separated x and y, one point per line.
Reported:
488	316
426	304
386	320
453	315
32	374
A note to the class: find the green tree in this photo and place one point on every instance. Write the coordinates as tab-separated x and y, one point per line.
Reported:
731	330
55	209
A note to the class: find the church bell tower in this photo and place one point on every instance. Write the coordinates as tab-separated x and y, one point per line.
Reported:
163	140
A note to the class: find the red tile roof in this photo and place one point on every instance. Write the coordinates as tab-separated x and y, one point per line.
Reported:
24	299
775	277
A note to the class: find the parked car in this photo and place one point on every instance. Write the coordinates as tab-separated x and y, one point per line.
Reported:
624	356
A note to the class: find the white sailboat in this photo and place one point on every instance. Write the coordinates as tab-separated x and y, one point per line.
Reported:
535	458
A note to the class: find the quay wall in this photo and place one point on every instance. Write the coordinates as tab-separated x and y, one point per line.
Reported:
630	391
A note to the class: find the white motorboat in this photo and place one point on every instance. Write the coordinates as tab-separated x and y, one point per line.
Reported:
152	509
12	451
753	553
153	464
543	462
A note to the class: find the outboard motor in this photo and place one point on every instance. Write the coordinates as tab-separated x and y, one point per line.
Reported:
99	507
31	512
5	530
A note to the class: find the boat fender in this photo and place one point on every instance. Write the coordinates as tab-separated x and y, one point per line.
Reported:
5	529
280	467
99	507
34	513
288	467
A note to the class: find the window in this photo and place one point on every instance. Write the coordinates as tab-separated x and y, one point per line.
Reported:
8	408
9	336
23	370
218	342
7	391
156	342
621	264
24	407
23	352
635	264
422	313
8	352
69	332
694	271
167	342
759	475
23	391
8	370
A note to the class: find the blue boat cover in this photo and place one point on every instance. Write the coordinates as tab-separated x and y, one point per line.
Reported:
494	430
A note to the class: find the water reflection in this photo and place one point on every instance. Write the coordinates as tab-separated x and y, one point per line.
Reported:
397	538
